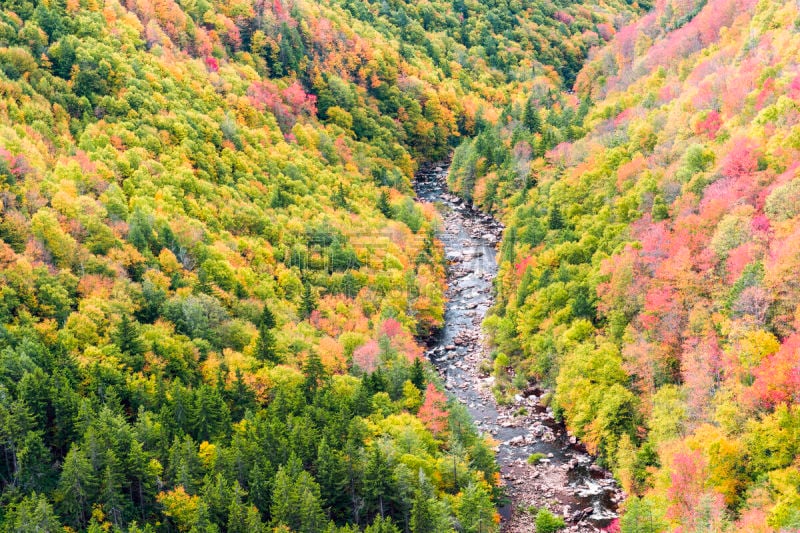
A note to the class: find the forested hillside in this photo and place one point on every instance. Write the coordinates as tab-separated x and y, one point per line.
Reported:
650	263
212	274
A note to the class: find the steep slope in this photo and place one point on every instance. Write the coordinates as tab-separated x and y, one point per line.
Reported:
152	205
650	262
211	268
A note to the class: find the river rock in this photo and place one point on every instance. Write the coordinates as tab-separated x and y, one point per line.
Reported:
466	235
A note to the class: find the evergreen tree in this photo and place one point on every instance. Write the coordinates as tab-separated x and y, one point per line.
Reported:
265	346
308	303
33	513
64	401
554	218
110	494
376	382
241	398
296	502
34	463
253	522
362	401
216	494
524	288
339	197
425	517
332	479
315	375
210	415
76	488
127	339
422	519
354	474
177	414
126	336
237	517
641	516
418	374
507	248
377	481
259	486
475	510
382	525
311	517
383	204
530	117
283	508
183	467
143	474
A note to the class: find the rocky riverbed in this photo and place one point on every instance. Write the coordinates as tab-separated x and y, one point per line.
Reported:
566	480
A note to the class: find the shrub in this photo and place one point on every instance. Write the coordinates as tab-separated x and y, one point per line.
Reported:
534	458
547	522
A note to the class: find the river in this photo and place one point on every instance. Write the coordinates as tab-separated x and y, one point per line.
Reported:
566	480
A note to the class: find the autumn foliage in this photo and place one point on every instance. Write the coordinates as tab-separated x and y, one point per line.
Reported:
649	265
433	411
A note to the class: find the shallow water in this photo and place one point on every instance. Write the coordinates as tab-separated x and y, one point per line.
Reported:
469	239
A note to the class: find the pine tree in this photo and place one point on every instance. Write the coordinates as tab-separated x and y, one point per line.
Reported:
204	285
422	515
554	218
210	415
34	463
382	525
265	346
525	286
76	488
111	490
507	250
377	481
315	375
353	453
241	398
126	337
178	412
383	204
183	467
530	117
216	494
296	501
308	303
339	197
144	474
311	517
283	505
65	402
475	510
237	517
253	523
332	479
641	516
33	513
428	515
418	374
258	485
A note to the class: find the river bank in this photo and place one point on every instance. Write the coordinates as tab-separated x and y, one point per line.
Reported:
566	481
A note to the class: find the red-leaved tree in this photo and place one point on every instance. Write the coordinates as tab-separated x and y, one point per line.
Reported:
366	356
433	412
741	160
777	378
